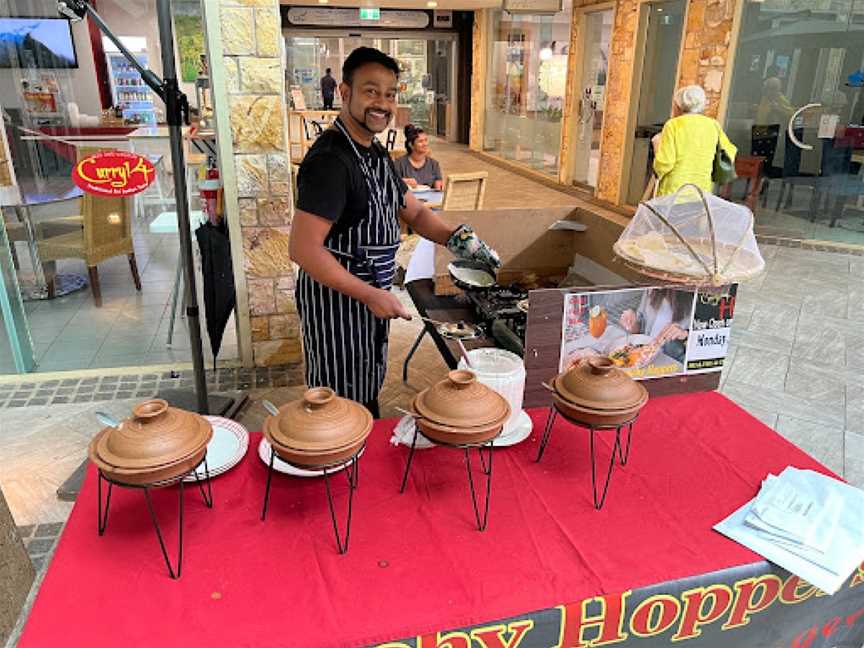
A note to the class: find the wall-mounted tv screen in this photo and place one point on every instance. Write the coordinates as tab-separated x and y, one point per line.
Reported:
36	43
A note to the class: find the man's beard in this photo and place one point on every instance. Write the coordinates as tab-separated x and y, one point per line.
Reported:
362	122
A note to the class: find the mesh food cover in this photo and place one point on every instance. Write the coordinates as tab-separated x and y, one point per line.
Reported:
691	237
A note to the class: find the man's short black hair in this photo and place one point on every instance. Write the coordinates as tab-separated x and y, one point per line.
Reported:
363	56
327	71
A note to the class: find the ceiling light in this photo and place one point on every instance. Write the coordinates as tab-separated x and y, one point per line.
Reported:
431	4
545	53
323	1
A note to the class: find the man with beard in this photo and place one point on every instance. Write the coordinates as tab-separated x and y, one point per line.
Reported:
346	232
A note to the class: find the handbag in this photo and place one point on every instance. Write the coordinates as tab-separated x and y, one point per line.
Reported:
723	171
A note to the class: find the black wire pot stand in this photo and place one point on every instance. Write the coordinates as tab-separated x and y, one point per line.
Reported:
485	468
620	449
207	495
353	473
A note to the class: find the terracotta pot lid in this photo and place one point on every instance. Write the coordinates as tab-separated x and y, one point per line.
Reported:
597	384
461	401
155	435
320	421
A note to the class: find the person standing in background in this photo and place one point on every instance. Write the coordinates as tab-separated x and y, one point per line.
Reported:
328	89
685	149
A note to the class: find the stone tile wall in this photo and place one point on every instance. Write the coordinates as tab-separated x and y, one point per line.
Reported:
252	46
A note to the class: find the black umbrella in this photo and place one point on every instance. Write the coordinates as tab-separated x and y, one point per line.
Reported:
219	296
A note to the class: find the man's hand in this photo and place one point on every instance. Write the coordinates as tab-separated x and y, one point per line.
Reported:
385	305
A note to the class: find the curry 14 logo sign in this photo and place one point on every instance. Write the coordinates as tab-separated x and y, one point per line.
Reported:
114	173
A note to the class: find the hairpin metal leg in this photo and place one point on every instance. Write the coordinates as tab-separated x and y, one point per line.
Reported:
487	471
550	420
269	479
352	485
410	458
624	451
615	449
171	572
208	496
103	521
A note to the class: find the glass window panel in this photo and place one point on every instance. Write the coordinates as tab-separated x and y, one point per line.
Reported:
791	54
527	78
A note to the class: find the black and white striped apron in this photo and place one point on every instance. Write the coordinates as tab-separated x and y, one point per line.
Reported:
345	345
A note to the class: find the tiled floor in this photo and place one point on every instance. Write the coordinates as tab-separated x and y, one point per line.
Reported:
130	328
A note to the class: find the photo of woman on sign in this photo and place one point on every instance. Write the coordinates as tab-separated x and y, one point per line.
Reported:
643	331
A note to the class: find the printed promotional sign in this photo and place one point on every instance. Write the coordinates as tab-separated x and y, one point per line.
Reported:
114	173
752	606
649	332
708	341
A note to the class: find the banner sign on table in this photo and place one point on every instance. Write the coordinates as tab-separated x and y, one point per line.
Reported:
650	332
114	173
753	606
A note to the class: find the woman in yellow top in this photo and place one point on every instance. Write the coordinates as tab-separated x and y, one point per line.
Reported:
685	149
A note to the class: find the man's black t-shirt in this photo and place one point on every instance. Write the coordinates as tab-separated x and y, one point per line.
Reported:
330	183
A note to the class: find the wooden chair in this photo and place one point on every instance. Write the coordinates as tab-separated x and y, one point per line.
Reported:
105	231
464	191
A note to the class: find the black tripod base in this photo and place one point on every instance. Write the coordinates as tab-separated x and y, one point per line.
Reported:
102	521
620	451
485	468
352	470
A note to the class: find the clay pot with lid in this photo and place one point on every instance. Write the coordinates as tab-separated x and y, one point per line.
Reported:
596	392
158	443
319	429
460	410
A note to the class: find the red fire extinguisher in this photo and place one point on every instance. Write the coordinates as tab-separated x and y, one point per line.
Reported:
209	189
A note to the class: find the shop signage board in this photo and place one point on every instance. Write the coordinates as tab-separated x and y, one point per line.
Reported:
114	174
650	332
532	6
341	17
370	13
756	605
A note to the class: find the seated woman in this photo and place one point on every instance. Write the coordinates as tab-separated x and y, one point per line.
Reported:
684	151
417	168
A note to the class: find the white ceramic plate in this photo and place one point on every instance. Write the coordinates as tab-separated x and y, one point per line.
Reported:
226	449
405	430
421	187
518	433
288	469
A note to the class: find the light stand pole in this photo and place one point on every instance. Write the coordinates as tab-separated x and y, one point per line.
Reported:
177	115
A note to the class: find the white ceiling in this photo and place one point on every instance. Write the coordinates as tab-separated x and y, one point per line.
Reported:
399	4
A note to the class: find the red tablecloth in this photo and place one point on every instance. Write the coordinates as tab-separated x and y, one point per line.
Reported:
416	562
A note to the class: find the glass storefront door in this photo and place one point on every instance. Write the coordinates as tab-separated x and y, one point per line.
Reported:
424	82
797	104
592	97
525	87
663	25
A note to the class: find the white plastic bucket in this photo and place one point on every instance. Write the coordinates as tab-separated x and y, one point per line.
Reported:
502	371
